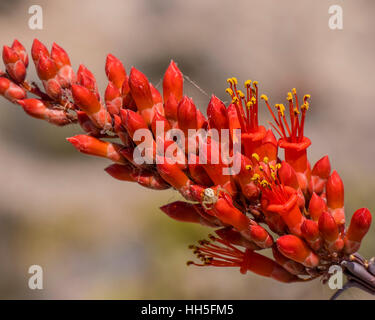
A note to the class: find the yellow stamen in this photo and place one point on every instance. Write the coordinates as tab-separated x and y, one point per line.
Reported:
249	167
230	81
265	160
296	111
255	177
261	168
253	100
247	83
273	175
281	109
255	156
264	97
249	104
229	91
240	93
294	91
289	97
305	106
278	165
235	100
264	183
255	83
234	79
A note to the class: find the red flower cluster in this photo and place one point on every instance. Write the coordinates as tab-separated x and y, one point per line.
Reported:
269	198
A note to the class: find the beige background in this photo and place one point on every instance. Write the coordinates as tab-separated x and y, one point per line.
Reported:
96	237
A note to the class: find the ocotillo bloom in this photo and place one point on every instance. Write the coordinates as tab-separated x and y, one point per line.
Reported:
303	208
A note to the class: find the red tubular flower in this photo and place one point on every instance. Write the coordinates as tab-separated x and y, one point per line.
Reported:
59	56
37	109
47	71
120	172
96	147
296	249
115	71
14	64
359	225
223	254
330	232
10	90
173	83
170	108
335	198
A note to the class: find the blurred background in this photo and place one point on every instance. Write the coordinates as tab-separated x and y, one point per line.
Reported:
99	238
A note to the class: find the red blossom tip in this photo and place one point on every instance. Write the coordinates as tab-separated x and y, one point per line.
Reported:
21	51
115	71
322	168
173	82
38	49
85	99
217	114
140	89
60	56
335	191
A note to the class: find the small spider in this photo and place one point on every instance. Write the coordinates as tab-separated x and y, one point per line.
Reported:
210	197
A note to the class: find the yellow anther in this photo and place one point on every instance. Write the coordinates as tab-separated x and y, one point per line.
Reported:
264	183
249	167
247	83
255	177
281	109
261	168
255	83
249	104
264	97
230	80
265	160
234	79
255	156
229	91
306	96
294	91
289	97
240	93
272	167
278	165
296	111
235	100
273	175
253	100
305	106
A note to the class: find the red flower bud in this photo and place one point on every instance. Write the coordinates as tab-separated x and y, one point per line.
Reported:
120	172
85	99
87	79
288	175
296	249
132	121
156	96
46	68
170	108
217	114
115	71
292	266
186	115
335	191
93	146
173	82
59	56
14	65
184	212
316	207
140	90
322	168
38	49
310	232
37	109
330	232
113	99
10	90
21	51
359	225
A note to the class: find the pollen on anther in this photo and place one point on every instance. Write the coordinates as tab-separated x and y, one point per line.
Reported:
249	167
264	97
247	83
255	156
